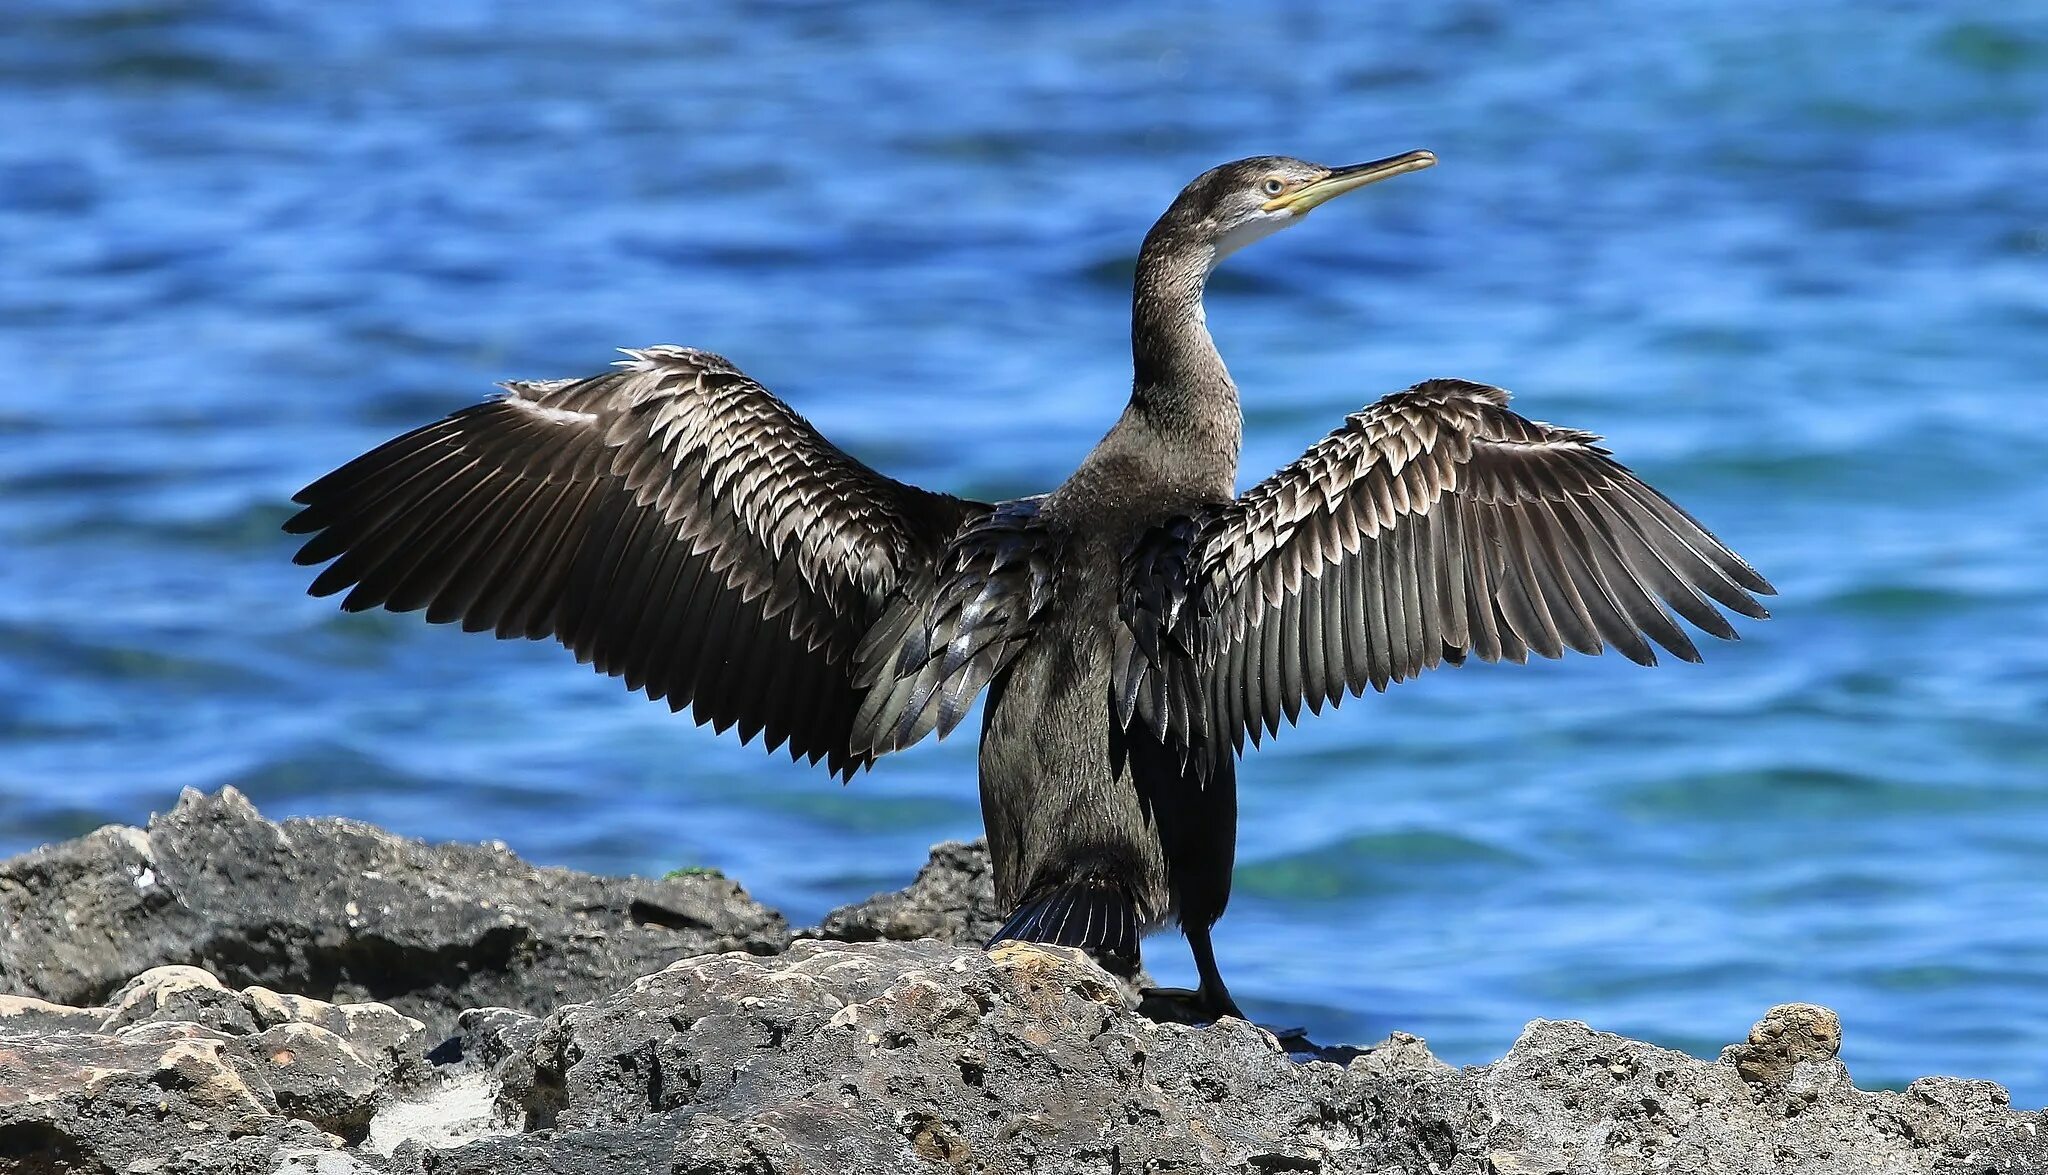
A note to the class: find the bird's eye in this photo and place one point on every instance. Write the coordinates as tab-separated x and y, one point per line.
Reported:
1274	186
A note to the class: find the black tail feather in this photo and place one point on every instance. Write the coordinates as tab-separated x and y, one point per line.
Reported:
1090	913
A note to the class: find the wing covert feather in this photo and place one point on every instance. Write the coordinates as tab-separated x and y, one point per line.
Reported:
929	657
1434	525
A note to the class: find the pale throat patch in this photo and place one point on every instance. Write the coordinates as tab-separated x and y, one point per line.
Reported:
1256	229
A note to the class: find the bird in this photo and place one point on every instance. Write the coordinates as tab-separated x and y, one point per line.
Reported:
675	524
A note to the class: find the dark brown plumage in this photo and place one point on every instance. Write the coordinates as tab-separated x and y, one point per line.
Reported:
676	525
671	522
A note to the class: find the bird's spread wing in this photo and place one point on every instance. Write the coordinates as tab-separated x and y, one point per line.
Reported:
1437	524
670	521
925	661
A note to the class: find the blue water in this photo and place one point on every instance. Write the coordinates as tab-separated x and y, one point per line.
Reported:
1791	259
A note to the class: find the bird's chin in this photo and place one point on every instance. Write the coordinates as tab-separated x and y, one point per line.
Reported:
1252	230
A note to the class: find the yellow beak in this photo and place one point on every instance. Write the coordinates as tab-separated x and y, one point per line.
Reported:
1345	179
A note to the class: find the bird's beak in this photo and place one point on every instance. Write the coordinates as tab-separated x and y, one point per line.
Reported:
1345	179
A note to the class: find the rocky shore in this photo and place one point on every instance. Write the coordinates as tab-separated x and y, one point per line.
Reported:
222	993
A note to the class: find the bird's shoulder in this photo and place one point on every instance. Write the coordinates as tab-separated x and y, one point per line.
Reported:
646	373
1014	544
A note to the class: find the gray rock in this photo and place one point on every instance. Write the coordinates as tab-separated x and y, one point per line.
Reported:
302	1161
900	1052
344	911
489	1037
1569	1099
382	1036
268	1059
155	1101
21	1014
186	998
953	900
316	1077
485	1079
188	994
905	1057
800	1138
1404	1109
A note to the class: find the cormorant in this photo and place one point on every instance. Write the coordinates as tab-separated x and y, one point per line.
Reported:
678	526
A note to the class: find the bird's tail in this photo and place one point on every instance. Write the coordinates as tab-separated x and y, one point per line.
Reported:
1092	913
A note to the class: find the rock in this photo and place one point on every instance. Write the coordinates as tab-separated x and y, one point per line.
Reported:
285	1057
1567	1098
882	1045
489	1037
316	1077
24	1014
1787	1036
888	1056
953	900
301	1161
918	1056
378	1033
190	994
495	1043
343	911
74	1101
659	1145
1407	1109
482	1077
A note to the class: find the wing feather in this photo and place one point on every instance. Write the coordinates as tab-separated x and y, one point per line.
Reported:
994	581
1436	525
671	522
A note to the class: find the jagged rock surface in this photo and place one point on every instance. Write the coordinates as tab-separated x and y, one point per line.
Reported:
179	1073
953	900
878	1055
920	1056
340	910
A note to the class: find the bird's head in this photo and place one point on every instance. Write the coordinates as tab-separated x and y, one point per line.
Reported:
1231	206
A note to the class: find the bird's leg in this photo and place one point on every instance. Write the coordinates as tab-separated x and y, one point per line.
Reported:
1211	1000
1212	996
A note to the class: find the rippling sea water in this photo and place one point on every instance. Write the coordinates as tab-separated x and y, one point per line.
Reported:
1791	259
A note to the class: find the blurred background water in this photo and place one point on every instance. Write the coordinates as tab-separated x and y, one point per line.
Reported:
1791	259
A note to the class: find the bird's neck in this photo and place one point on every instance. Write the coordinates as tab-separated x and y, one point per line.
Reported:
1182	397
